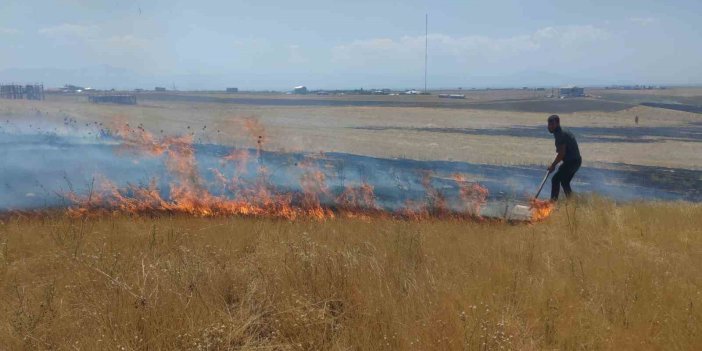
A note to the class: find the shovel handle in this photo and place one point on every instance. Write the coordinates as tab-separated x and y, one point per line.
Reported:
542	184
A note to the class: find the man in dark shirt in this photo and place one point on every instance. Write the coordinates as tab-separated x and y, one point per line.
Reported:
568	152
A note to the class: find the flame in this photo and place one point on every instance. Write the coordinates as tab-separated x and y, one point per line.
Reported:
540	209
356	198
256	131
436	201
189	193
474	195
239	157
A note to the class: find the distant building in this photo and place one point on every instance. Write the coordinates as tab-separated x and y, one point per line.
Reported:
159	89
123	99
300	90
232	90
635	87
70	88
16	91
34	91
452	96
572	91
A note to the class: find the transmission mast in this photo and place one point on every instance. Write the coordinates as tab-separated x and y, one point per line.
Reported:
426	49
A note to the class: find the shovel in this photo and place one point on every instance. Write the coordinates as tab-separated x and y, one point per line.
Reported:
522	212
542	185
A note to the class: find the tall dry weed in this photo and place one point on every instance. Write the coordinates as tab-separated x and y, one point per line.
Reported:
596	275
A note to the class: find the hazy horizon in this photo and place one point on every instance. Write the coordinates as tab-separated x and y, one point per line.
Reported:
275	45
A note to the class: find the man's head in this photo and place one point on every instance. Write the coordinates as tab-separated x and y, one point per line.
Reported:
553	123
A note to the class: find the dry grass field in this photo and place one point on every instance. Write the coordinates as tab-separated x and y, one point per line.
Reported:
593	276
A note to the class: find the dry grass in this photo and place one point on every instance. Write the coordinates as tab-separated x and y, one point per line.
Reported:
594	276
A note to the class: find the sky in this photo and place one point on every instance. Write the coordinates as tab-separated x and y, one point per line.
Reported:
328	44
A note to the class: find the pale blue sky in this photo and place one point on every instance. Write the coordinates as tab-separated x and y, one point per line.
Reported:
328	44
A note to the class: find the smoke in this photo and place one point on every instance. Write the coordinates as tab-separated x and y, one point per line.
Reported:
58	165
61	165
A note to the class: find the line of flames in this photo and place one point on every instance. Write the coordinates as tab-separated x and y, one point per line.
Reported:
189	193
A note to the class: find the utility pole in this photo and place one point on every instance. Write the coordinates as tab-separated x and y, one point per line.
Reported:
426	49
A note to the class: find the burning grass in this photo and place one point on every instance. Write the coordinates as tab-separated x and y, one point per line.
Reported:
541	209
189	193
594	275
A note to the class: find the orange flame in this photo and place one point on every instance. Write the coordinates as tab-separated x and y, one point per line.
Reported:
189	192
436	201
474	195
540	209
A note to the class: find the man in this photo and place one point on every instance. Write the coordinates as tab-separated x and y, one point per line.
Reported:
568	152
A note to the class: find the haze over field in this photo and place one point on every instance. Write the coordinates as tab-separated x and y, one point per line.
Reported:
323	44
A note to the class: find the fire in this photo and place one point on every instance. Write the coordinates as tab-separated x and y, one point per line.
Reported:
239	157
257	131
473	195
242	186
540	209
188	191
356	198
436	203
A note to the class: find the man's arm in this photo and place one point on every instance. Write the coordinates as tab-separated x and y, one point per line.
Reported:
559	157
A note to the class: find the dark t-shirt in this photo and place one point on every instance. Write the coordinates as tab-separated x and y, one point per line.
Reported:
562	136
